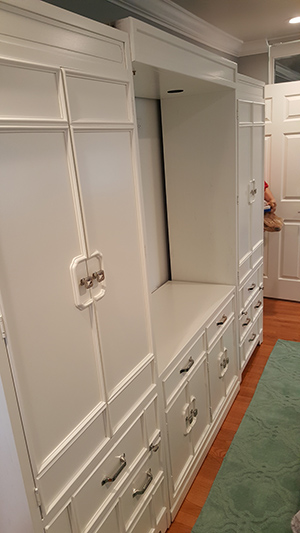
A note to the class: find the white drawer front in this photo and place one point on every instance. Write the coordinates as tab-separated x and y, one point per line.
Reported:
250	289
179	374
257	306
219	322
97	489
249	343
245	322
60	523
140	489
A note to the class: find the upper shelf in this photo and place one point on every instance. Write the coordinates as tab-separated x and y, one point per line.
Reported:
163	62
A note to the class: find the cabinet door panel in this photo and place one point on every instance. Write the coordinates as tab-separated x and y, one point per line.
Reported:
110	214
245	142
257	172
198	394
216	384
179	444
229	347
54	361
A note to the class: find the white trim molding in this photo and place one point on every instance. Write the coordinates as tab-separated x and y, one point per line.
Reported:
177	19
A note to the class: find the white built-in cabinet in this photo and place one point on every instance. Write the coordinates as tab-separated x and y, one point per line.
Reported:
250	221
116	384
74	302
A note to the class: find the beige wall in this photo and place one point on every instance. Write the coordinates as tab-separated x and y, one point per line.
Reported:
255	66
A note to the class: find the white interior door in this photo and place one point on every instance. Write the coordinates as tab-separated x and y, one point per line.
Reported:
282	165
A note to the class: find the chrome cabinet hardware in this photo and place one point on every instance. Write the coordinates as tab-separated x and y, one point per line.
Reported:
247	321
224	362
252	337
222	321
99	275
154	447
190	417
257	306
87	282
118	472
252	287
137	492
187	368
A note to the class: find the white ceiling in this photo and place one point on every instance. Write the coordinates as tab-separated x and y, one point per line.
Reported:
248	20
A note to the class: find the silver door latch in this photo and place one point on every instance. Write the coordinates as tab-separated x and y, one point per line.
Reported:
87	282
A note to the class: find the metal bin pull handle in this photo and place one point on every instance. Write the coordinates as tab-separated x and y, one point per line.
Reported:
252	337
247	321
222	321
187	368
252	287
144	488
114	477
257	306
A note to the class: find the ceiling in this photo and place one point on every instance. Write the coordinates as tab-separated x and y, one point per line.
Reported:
248	20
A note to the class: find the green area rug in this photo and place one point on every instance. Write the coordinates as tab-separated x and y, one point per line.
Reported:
257	488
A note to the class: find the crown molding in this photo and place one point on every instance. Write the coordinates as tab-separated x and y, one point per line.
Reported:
177	19
249	48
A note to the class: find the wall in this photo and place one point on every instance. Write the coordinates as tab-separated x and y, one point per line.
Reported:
255	66
153	184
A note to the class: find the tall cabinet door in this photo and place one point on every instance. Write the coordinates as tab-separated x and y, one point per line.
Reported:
250	197
71	269
106	179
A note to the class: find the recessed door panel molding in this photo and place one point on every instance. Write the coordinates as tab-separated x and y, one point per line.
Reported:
268	110
292	107
291	165
290	251
108	194
30	92
93	99
45	348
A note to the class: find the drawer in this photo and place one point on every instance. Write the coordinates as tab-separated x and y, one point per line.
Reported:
252	286
109	475
219	322
140	489
257	306
110	523
153	517
60	523
245	322
182	370
250	341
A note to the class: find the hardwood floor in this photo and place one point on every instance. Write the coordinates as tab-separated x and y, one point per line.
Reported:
281	321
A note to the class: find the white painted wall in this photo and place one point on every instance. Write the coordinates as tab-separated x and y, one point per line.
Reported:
157	249
255	66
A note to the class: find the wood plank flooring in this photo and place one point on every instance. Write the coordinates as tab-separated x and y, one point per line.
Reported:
281	321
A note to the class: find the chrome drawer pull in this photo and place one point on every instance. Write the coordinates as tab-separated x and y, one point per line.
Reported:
136	492
222	321
252	287
187	368
257	306
246	322
155	447
114	477
252	338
